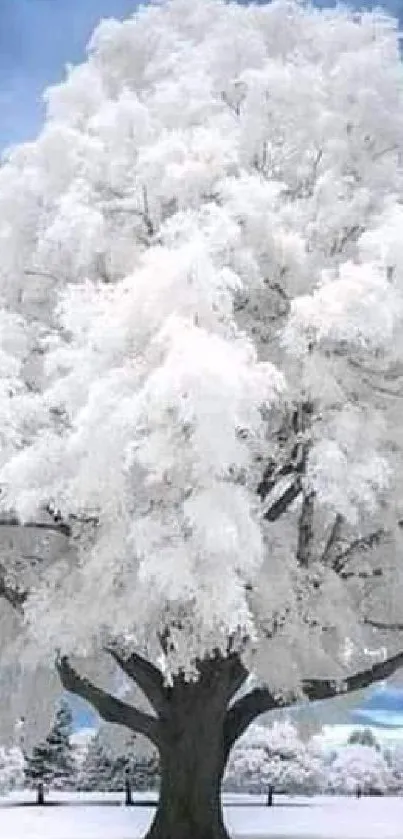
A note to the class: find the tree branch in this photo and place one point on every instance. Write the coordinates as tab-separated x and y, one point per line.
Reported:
293	430
333	540
384	626
361	575
243	712
108	707
347	235
15	596
238	676
55	526
148	678
284	502
260	700
305	530
317	689
271	476
372	540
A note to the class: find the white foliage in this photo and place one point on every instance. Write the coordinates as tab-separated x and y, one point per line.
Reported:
274	756
357	766
205	236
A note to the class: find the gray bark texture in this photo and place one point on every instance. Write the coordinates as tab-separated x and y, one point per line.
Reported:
193	752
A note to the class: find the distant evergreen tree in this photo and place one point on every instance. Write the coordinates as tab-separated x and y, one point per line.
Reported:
142	771
101	771
38	765
96	770
52	761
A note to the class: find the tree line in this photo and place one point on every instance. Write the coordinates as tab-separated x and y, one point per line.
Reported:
267	757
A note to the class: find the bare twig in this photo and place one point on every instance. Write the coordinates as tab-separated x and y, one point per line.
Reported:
52	526
349	234
333	540
361	575
364	543
383	626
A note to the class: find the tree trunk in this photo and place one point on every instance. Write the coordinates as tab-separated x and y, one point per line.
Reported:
193	732
193	758
189	803
40	794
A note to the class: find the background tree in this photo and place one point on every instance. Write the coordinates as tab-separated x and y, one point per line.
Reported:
104	769
52	761
96	768
394	759
141	770
363	737
274	756
201	375
359	767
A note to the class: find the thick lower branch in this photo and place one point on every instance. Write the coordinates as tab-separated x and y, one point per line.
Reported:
243	712
108	707
237	677
148	678
316	689
260	700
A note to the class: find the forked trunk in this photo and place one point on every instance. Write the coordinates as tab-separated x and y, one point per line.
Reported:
194	727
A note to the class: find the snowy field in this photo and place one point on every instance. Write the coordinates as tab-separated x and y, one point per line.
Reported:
100	817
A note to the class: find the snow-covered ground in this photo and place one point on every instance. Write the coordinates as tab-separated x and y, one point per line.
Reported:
97	817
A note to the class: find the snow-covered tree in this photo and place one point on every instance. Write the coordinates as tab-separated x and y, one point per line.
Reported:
359	767
12	765
201	363
275	756
52	761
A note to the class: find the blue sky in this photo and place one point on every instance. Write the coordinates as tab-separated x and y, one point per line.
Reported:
37	39
382	708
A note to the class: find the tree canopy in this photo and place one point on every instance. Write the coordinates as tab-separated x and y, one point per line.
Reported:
201	356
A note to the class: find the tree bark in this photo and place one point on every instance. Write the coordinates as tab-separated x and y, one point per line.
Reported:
191	774
192	759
